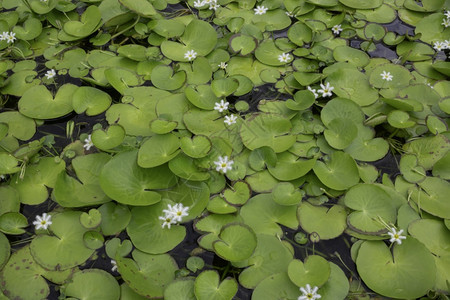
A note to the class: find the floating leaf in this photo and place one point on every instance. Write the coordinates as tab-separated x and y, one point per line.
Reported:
158	150
92	284
207	286
315	271
90	100
314	219
236	242
339	173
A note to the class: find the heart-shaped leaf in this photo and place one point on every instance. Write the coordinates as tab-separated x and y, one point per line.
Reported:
89	21
92	284
91	219
239	194
207	286
90	100
315	271
107	139
236	242
158	150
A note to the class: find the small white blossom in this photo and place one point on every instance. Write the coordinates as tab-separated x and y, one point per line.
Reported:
177	212
285	57
221	106
4	35
386	76
439	46
43	0
168	220
114	265
429	84
308	293
88	143
214	6
11	37
223	164
446	22
326	90
231	119
42	222
199	3
223	65
260	10
446	44
190	55
313	91
336	29
396	236
289	14
50	74
447	14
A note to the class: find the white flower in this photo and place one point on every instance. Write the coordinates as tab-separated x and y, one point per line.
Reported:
114	265
199	3
260	10
168	221
447	14
336	29
326	90
43	0
313	91
396	236
446	22
289	14
50	74
11	37
177	212
223	65
429	84
223	164
42	222
88	143
214	6
4	36
386	76
221	106
231	119
446	44
308	293
190	55
285	57
439	46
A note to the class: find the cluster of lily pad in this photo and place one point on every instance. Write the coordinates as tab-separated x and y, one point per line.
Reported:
245	120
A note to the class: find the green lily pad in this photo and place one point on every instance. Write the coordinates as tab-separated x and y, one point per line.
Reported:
263	215
224	87
275	285
115	247
147	274
289	166
428	149
91	219
180	289
8	163
90	100
369	203
407	273
13	223
299	34
196	147
140	7
433	234
218	205
115	218
315	271
442	167
121	79
19	126
436	125
202	96
146	232
362	4
5	250
431	196
93	240
236	242
107	139
158	150
163	77
168	28
243	44
411	171
399	119
207	286
89	21
270	130
314	219
267	53
85	190
38	103
161	126
67	245
31	29
340	133
238	195
92	284
124	181
351	55
22	269
339	172
195	263
185	167
285	193
271	256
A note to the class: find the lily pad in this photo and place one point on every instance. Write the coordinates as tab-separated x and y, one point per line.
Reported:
431	196
180	289
339	172
207	286
13	223
114	218
236	242
315	271
147	274
238	194
107	139
124	181
90	100
158	150
38	103
313	219
407	273
92	284
67	245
